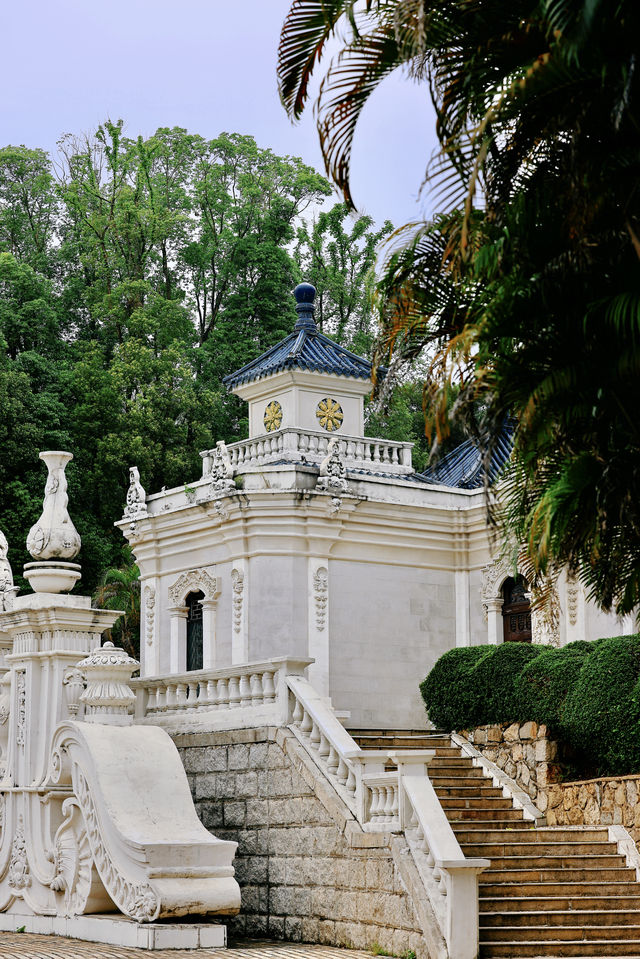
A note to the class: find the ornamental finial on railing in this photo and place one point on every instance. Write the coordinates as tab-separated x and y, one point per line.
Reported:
108	696
7	589
54	538
136	497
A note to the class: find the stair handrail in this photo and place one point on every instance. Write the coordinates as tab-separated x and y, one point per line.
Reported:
450	878
403	800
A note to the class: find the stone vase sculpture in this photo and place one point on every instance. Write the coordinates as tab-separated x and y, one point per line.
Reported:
54	538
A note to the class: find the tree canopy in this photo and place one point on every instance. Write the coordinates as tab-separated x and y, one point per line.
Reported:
524	291
134	274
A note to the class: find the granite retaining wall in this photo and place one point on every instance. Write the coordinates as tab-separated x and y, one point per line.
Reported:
307	870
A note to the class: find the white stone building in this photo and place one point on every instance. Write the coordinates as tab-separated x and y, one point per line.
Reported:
309	539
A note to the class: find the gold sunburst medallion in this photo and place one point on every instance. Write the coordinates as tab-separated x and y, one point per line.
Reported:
272	416
329	414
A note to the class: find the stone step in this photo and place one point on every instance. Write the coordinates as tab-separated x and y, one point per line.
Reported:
488	850
568	917
476	802
583	874
566	863
575	933
472	777
492	888
485	814
469	792
453	762
481	825
559	950
531	835
557	904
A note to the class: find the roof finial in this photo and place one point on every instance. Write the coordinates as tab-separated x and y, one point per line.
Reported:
305	295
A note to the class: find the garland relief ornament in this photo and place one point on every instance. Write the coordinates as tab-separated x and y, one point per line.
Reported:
329	414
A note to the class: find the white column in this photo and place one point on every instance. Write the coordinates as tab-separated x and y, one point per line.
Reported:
494	621
209	632
178	652
318	623
463	622
239	618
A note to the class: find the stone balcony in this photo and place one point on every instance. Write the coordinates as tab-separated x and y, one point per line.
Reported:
293	445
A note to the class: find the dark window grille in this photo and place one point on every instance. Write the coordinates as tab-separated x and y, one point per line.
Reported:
194	630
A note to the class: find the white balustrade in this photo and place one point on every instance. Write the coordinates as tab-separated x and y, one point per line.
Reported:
293	444
393	801
233	697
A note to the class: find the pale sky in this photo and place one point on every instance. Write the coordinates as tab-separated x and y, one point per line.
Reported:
206	65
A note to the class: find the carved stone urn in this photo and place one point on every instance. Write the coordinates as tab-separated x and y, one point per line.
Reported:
54	538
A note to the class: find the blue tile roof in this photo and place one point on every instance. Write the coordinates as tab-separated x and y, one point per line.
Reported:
304	349
464	468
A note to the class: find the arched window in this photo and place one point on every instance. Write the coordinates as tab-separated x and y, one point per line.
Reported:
516	611
193	602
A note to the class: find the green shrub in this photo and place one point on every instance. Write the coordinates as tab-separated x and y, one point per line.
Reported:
494	677
543	685
601	715
448	693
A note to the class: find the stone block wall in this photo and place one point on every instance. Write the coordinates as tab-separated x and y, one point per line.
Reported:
307	870
603	802
524	752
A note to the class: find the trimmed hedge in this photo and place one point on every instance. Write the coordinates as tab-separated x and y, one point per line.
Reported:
601	715
448	692
544	684
588	693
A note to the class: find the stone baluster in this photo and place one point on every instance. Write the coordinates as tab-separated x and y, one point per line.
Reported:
222	693
192	696
332	761
245	691
255	684
306	726
297	712
315	736
268	687
234	691
210	693
181	695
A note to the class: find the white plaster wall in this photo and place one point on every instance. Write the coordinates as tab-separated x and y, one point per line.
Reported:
388	626
278	607
479	630
299	404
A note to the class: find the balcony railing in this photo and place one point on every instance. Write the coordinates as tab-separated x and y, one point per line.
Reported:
309	446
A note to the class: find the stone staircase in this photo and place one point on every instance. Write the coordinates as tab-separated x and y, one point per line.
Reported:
550	891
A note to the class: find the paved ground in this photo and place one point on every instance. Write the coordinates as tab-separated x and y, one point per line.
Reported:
28	946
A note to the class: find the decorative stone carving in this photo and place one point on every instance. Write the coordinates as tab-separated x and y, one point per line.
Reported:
573	595
544	618
19	872
108	696
272	416
7	589
237	581
191	582
54	536
149	612
329	414
321	596
74	684
136	507
221	470
333	474
21	697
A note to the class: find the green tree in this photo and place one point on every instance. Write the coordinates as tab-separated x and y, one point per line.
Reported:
532	301
119	589
340	262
